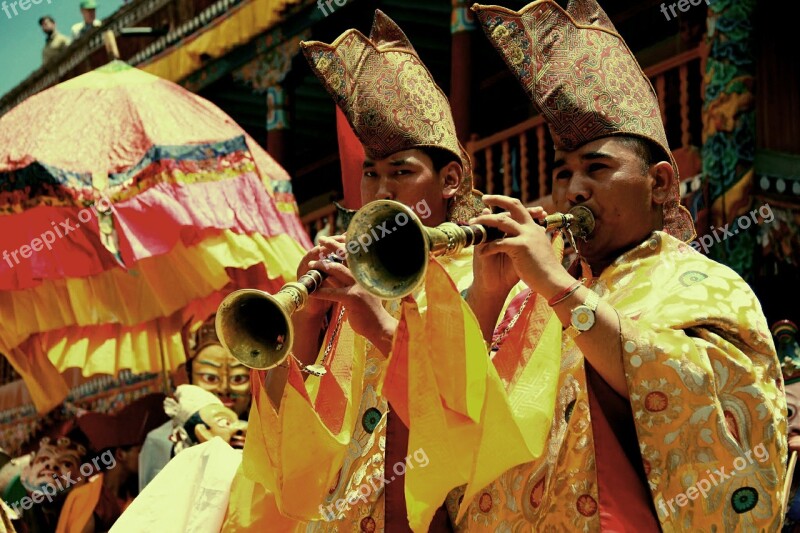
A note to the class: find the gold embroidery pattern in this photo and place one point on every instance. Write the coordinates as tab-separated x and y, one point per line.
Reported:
583	78
390	98
705	391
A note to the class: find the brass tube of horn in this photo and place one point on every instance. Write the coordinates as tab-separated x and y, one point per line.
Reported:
256	327
393	264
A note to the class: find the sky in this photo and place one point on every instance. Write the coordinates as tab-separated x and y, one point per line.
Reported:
22	40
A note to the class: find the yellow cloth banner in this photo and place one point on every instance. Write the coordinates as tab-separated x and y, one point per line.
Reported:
316	419
44	382
471	424
79	506
244	23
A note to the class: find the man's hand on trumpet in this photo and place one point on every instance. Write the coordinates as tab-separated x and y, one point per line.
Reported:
524	253
526	245
326	247
313	308
310	320
365	312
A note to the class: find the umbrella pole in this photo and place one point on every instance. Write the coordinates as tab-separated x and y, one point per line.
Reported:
164	371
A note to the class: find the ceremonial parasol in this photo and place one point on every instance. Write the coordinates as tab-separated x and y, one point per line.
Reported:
129	206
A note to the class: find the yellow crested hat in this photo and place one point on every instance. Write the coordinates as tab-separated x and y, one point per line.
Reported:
584	80
390	99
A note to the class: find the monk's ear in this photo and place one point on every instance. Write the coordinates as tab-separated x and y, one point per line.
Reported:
663	177
452	174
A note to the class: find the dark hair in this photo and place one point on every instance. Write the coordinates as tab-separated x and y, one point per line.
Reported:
188	366
649	152
190	424
46	17
440	157
113	449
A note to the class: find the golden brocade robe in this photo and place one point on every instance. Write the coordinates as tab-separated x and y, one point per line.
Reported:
338	465
707	402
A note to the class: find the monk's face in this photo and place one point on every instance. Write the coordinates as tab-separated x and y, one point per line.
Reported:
793	403
608	177
410	178
217	371
221	422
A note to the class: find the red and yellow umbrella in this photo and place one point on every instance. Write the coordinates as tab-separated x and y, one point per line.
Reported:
129	206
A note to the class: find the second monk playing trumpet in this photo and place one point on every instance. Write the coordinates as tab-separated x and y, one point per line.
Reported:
336	441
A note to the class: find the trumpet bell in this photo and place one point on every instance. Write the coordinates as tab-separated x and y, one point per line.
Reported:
391	256
255	327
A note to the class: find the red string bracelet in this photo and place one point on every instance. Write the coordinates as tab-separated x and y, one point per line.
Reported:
566	293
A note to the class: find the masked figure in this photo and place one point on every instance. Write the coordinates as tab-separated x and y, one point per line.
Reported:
212	368
37	494
191	492
199	416
115	441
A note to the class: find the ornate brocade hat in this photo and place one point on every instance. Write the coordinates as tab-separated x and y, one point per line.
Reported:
583	78
390	99
204	336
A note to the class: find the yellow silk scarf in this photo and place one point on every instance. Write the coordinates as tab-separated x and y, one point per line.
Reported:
472	423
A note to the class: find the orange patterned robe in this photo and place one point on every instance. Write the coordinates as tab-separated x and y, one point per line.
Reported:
359	461
706	400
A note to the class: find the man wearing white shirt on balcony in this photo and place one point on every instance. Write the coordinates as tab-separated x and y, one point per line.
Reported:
88	8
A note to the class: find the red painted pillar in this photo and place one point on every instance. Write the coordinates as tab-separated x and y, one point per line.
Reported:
462	28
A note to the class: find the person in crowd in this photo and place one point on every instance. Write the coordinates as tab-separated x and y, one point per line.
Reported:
313	441
191	492
38	493
115	442
6	514
211	367
90	20
785	333
669	379
55	41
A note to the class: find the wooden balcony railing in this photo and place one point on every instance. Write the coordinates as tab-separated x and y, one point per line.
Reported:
517	161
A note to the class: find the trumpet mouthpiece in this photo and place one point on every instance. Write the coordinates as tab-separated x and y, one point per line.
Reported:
583	223
579	220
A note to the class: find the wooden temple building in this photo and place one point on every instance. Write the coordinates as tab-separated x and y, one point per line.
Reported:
726	76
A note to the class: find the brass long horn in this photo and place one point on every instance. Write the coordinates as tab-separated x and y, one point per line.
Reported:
388	245
256	327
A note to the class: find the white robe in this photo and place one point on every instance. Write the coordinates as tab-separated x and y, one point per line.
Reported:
190	494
